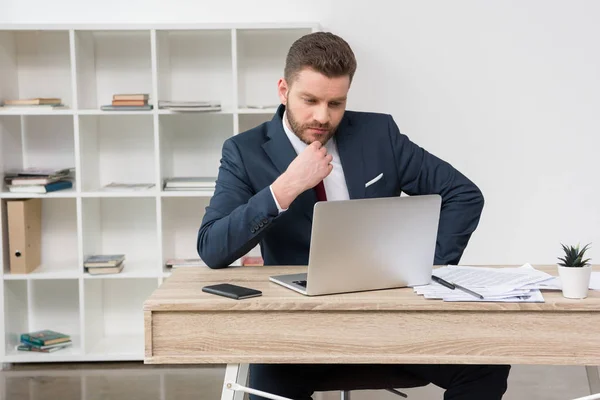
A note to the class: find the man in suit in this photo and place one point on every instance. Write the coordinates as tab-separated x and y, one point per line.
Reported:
314	150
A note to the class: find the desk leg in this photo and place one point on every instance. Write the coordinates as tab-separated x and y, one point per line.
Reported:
593	379
236	381
234	374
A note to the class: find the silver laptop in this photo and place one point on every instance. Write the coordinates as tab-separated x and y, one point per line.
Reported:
369	244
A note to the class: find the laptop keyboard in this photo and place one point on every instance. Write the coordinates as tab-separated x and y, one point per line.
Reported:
300	283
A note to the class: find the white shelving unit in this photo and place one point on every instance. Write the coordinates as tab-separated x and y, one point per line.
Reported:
235	64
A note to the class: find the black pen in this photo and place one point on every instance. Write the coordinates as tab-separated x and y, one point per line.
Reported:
454	286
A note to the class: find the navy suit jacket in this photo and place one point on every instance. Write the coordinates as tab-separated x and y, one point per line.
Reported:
242	212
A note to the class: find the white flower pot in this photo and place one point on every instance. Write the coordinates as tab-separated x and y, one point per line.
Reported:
575	281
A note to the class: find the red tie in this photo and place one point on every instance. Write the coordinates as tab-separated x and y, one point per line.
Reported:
320	189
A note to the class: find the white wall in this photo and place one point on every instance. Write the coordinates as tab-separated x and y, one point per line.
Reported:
507	91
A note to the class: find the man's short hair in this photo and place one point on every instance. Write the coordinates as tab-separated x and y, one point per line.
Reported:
323	52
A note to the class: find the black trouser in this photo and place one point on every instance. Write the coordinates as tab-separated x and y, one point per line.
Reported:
462	382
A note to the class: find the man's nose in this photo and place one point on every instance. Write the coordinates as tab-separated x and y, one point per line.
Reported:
321	114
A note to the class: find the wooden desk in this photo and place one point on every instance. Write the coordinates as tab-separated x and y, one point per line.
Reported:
185	325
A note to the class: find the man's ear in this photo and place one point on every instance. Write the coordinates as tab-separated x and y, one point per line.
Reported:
282	90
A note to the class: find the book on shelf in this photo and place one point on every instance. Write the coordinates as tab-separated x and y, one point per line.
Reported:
121	186
191	106
104	260
45	337
252	261
48	188
128	102
184	262
32	180
126	108
40	172
32	104
44	341
105	270
46	349
38	180
29	108
261	106
101	264
189	183
131	97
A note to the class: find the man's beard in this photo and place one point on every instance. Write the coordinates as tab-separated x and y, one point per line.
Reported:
301	130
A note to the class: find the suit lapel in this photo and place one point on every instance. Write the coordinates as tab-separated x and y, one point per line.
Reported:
350	149
278	147
282	153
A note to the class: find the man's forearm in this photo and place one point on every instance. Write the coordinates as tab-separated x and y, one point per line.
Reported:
222	239
285	192
461	211
237	216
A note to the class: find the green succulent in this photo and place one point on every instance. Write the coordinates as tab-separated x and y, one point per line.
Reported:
573	256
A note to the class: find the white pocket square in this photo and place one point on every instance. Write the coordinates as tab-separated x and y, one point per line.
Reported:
372	181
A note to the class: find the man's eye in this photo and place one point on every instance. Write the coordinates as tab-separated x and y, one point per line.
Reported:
335	104
310	101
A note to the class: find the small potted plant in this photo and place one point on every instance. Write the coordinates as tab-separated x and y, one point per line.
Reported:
574	272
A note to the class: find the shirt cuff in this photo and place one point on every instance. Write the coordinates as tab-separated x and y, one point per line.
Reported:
276	202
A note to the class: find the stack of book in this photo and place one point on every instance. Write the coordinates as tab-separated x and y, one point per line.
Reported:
38	180
45	341
189	183
184	262
102	264
128	102
122	186
37	103
252	261
189	106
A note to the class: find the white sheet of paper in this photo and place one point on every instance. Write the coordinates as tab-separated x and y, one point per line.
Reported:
494	284
483	277
535	296
437	289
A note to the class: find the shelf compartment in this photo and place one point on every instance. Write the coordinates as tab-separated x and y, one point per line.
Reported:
122	226
190	144
195	66
37	305
250	121
59	255
181	218
111	62
35	64
261	57
114	319
41	141
116	148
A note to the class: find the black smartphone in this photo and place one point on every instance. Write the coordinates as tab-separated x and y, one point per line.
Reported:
232	291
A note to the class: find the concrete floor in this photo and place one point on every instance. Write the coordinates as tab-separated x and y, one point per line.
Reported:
133	381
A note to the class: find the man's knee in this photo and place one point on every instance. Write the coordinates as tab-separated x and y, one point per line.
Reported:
495	377
291	381
498	372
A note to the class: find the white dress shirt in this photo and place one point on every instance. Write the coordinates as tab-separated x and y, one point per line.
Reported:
335	182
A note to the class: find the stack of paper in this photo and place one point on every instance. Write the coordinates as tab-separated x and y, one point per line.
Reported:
189	183
494	284
190	105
